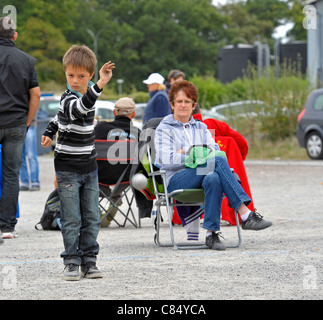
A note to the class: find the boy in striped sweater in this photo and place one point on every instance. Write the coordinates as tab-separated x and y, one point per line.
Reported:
75	161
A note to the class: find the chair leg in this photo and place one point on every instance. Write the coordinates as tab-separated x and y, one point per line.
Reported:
116	206
176	246
238	231
186	246
157	234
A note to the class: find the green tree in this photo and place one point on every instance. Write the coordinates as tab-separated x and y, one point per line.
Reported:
157	36
145	36
41	26
255	20
47	44
298	32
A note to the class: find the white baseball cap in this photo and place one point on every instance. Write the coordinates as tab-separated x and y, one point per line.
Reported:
154	78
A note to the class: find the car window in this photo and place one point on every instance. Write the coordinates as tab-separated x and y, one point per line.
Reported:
105	113
139	113
52	108
223	111
49	107
318	105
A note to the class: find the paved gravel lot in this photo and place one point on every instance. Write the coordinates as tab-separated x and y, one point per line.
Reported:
282	262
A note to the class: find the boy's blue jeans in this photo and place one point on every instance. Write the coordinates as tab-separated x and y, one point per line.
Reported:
80	219
216	178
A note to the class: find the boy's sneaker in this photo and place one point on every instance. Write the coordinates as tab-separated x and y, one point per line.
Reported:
90	271
71	272
10	235
213	241
34	188
255	222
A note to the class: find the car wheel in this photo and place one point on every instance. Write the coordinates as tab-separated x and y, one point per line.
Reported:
314	146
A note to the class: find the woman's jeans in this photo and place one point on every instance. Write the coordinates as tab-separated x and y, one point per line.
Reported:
12	141
79	204
216	178
30	153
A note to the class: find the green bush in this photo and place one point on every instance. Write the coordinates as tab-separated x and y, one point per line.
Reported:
284	97
211	91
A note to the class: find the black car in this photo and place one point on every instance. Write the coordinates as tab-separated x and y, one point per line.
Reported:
310	125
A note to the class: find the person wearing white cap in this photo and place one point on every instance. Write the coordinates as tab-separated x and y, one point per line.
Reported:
121	128
158	104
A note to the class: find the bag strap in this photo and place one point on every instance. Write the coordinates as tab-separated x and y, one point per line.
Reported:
37	227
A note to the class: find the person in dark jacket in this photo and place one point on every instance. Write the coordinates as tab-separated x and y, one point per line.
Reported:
122	126
19	100
158	104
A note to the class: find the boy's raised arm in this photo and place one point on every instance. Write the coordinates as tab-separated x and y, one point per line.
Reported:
105	74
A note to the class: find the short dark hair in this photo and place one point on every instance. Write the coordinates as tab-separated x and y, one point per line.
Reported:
5	31
175	74
197	109
80	57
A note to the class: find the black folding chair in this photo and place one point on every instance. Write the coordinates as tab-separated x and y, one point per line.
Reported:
114	164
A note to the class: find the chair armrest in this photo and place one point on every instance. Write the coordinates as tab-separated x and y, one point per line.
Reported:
157	173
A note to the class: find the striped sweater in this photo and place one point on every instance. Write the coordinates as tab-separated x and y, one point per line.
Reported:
75	149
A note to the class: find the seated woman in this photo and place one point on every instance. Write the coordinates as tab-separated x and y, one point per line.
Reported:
174	138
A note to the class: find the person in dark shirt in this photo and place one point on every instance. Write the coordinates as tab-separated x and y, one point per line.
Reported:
19	100
122	126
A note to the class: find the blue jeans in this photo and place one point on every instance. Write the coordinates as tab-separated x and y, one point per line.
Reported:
80	219
29	152
216	178
12	141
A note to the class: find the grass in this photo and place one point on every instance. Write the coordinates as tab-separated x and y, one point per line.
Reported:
287	149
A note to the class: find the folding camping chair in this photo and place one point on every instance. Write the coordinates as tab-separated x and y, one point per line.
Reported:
114	163
186	197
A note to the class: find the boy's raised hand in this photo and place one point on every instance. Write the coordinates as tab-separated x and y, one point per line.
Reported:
105	74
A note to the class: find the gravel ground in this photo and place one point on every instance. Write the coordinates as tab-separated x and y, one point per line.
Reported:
282	262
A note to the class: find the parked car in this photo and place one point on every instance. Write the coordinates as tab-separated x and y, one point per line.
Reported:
104	111
207	114
47	109
137	121
48	106
245	108
310	125
232	111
